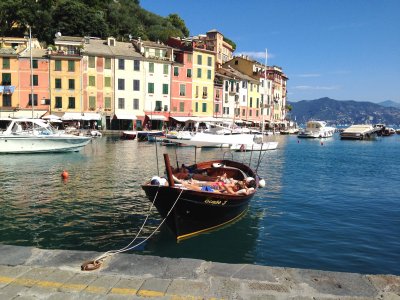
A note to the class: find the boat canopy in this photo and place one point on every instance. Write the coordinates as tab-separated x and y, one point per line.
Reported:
125	116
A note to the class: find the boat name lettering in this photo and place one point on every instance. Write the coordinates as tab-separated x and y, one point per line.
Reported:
215	202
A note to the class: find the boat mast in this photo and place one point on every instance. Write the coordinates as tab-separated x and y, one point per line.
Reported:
31	65
265	89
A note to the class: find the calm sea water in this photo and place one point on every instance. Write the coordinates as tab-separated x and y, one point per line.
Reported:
331	206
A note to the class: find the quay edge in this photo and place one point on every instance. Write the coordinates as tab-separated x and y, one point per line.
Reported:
29	272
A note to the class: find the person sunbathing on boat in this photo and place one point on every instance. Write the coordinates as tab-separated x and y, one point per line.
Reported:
239	187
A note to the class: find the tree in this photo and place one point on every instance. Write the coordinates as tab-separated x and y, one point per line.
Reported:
177	22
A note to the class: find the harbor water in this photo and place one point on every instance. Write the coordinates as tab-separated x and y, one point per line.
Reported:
328	204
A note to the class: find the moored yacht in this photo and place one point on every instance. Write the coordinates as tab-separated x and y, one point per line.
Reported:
316	129
37	136
359	132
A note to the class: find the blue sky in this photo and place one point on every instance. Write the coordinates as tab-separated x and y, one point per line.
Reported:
342	49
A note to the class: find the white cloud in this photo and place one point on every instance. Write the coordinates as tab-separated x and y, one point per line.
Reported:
315	88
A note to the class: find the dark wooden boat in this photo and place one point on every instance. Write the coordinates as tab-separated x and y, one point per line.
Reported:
199	211
128	135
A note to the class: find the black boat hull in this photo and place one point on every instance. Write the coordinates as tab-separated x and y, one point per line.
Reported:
195	212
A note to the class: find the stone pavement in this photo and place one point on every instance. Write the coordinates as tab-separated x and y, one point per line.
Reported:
31	273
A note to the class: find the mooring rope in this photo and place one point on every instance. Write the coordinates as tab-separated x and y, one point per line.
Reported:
96	263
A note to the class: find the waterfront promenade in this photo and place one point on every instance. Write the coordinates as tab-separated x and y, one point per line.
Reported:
32	273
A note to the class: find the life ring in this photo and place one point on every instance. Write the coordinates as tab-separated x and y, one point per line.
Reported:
217	165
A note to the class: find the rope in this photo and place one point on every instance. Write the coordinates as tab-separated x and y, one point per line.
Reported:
96	263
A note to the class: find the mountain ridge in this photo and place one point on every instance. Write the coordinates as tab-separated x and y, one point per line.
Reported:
338	112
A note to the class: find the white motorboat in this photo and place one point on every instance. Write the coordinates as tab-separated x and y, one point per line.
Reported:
316	129
37	136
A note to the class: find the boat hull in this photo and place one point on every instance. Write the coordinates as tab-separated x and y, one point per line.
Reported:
42	144
195	212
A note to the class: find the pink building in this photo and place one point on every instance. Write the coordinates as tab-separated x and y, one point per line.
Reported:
40	84
181	79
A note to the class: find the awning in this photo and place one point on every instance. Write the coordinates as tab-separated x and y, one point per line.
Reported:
157	117
72	116
125	117
91	116
182	119
24	113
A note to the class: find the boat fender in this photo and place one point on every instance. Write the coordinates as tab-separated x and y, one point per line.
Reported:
261	183
64	174
217	165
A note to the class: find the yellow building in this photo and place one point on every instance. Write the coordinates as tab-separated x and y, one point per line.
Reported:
203	81
66	76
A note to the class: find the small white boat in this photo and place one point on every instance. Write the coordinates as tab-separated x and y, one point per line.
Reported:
316	129
38	136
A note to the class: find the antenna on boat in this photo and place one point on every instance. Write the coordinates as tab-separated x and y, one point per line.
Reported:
158	169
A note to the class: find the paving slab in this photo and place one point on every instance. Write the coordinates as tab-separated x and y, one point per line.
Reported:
56	274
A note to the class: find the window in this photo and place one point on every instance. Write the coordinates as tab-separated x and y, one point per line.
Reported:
204	92
209	61
166	69
176	71
181	106
251	102
107	102
257	113
151	67
35	80
158	106
135	103
199	73
217	107
136	85
196	107
121	64
92	81
199	59
165	88
57	83
150	88
243	112
258	103
121	84
107	81
6	99
71	66
244	85
136	65
182	90
35	64
71	102
92	61
251	87
250	112
121	103
71	84
189	58
197	92
6	63
35	99
92	102
58	103
57	65
217	93
208	74
107	63
6	78
226	86
189	73
204	107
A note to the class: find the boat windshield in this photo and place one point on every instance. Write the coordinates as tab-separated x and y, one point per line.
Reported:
43	128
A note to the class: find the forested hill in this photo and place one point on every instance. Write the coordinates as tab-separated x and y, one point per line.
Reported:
343	112
99	18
